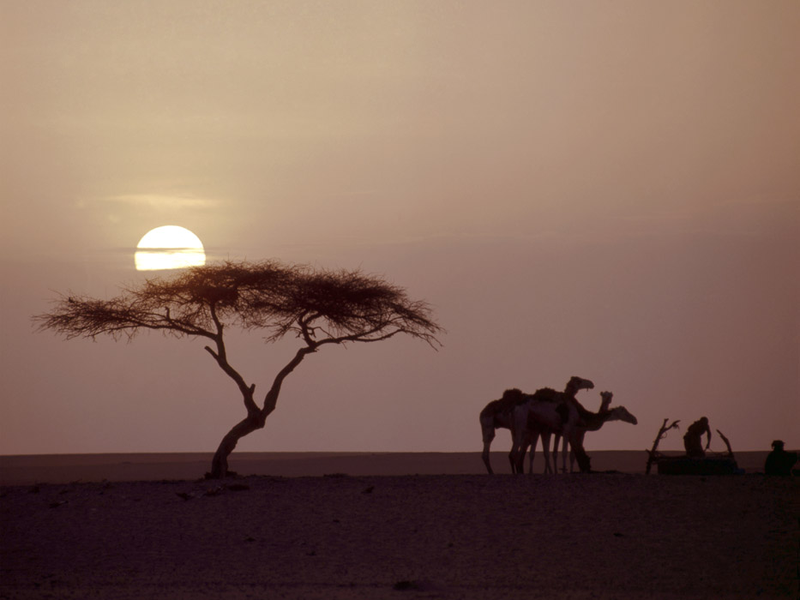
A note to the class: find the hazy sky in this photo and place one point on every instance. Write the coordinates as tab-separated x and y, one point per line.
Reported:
609	190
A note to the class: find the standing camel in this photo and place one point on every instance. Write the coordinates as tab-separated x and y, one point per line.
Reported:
559	409
545	412
605	400
499	414
590	421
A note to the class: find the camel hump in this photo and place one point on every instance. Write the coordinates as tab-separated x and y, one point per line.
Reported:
510	399
548	395
513	397
512	394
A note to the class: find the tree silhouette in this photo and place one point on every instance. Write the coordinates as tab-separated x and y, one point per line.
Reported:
319	307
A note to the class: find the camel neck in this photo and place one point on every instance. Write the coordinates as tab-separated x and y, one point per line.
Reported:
590	420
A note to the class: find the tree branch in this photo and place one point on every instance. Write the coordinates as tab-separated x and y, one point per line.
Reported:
247	391
661	433
271	399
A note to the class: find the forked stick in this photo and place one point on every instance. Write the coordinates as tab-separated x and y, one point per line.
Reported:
727	443
661	433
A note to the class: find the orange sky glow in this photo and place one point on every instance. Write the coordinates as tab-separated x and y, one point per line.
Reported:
604	190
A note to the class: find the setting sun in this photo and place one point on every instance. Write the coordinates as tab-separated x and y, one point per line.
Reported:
169	247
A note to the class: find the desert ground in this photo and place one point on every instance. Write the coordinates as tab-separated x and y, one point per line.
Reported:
366	526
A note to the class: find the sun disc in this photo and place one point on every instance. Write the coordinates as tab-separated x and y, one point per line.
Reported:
169	247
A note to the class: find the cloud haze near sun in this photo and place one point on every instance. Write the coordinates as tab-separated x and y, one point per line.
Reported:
610	192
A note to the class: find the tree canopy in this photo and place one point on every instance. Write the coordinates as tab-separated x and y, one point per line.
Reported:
342	305
316	306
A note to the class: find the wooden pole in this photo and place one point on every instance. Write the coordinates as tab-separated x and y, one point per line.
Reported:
727	443
661	433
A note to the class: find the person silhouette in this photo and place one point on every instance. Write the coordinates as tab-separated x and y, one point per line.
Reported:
692	438
779	462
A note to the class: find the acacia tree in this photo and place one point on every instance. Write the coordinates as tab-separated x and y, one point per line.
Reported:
319	307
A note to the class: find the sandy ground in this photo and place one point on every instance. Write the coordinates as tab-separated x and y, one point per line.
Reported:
68	468
623	535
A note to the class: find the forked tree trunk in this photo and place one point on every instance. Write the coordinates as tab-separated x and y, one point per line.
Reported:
219	464
256	418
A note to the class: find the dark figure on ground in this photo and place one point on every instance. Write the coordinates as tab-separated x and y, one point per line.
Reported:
779	462
692	439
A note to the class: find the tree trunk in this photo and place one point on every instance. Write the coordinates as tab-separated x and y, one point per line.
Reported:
256	417
219	464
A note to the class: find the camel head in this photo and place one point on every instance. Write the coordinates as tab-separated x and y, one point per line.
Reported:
606	396
576	384
620	413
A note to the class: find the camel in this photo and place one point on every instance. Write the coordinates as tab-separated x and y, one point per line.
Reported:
536	430
559	408
604	403
592	422
499	414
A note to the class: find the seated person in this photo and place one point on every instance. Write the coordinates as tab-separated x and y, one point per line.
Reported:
779	462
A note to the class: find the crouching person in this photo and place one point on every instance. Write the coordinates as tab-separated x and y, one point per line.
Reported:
779	462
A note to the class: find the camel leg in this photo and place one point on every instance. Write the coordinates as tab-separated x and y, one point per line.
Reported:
563	441
534	441
580	454
581	435
568	437
512	458
551	464
556	446
519	450
485	457
517	454
488	436
513	455
545	444
521	463
546	450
